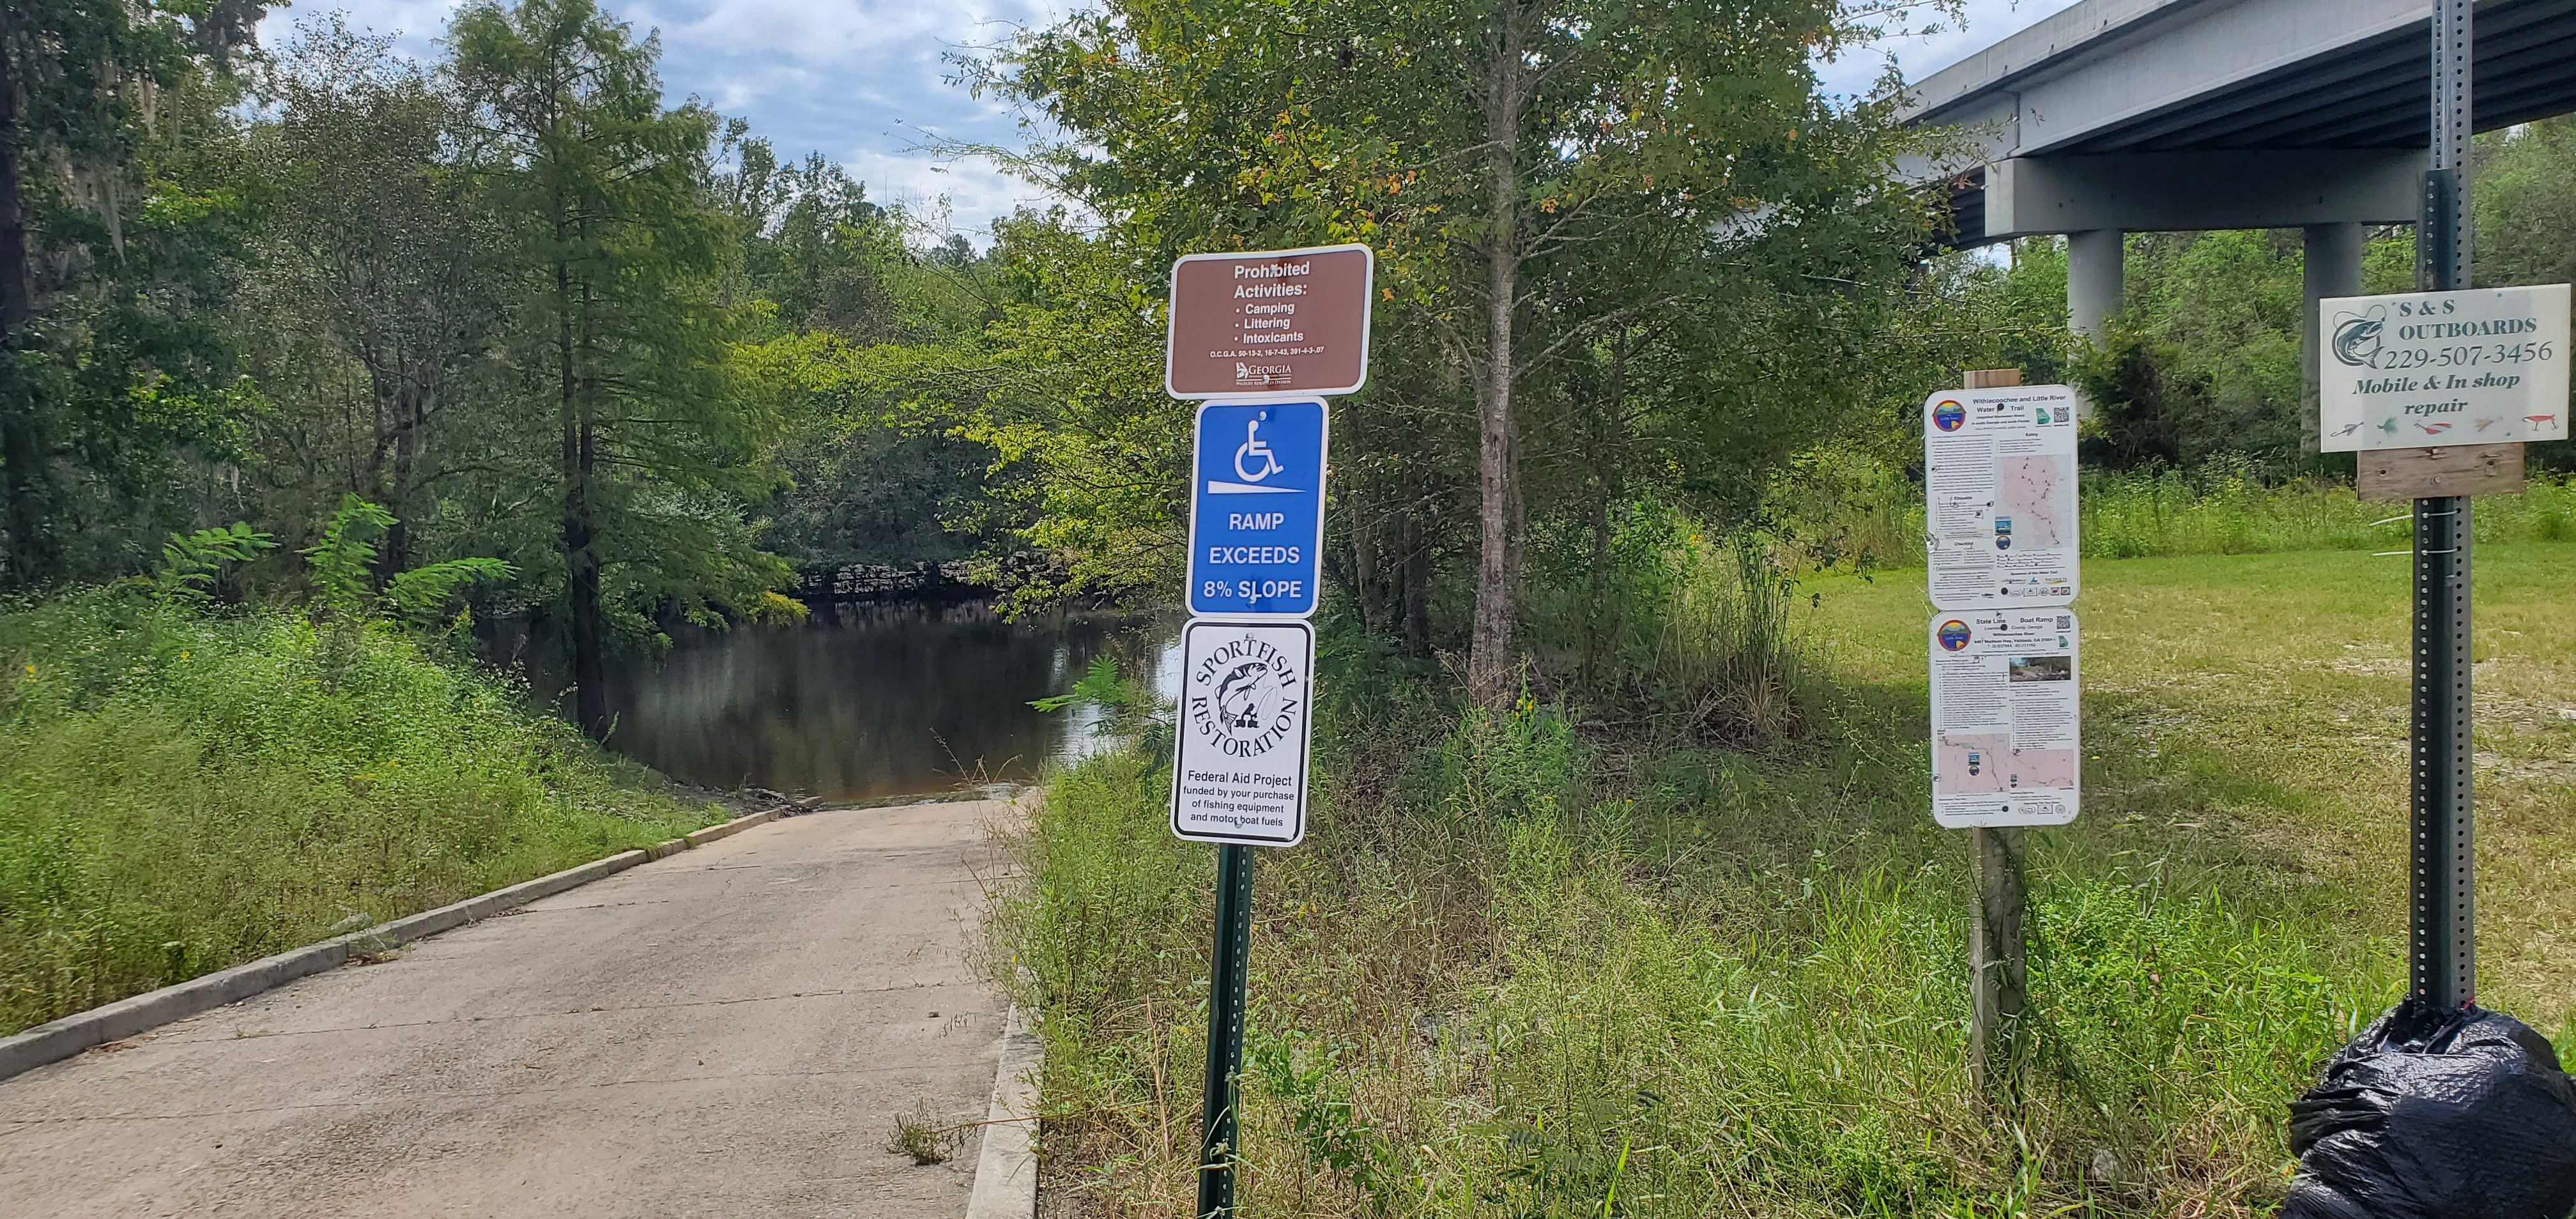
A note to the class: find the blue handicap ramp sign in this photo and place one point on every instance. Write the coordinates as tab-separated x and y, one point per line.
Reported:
1257	508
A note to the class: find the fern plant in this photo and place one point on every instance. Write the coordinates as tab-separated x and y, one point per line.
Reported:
1130	710
344	562
420	595
190	562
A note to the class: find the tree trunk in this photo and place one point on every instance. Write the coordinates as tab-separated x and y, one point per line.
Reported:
581	564
1490	657
14	286
408	413
1600	631
22	440
1364	573
581	554
1417	587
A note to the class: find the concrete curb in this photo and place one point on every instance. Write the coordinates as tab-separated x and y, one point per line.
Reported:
1006	1173
79	1031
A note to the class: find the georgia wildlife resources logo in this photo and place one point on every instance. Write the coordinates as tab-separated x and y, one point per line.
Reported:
1948	414
1954	635
1249	694
2356	336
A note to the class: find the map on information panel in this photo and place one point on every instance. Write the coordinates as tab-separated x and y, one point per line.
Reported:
1999	488
2007	732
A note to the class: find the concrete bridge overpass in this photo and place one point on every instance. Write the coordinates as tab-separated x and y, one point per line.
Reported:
2120	116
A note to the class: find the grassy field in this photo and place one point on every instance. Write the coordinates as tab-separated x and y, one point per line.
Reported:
1847	511
2258	704
1524	968
181	792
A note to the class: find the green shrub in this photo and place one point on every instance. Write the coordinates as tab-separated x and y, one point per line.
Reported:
1671	627
1519	762
181	792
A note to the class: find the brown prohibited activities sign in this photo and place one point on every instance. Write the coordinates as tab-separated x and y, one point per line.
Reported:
1267	323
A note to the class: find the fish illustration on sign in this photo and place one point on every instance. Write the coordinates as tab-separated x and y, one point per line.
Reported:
2539	420
2434	429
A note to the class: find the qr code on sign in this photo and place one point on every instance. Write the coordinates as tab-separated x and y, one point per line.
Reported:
2066	622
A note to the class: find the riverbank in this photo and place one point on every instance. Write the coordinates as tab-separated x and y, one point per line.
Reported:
182	791
1521	963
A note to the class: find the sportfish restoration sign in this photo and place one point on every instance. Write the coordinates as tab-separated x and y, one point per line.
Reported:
1279	321
1247	693
2418	369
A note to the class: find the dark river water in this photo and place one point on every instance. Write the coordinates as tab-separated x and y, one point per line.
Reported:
869	701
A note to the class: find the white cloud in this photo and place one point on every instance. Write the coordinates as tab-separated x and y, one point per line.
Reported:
1920	55
869	82
866	82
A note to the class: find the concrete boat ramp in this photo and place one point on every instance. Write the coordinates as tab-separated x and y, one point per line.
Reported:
728	1031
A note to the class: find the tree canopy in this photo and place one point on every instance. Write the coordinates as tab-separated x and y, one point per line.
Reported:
1636	267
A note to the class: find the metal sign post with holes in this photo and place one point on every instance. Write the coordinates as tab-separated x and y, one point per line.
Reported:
2442	930
2436	392
1259	340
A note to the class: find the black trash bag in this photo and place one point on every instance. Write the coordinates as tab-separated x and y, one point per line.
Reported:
2434	1114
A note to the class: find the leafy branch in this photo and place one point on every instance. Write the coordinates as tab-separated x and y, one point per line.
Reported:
191	562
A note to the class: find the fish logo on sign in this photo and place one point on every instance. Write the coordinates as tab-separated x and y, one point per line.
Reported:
1253	463
1248	698
2356	338
1253	694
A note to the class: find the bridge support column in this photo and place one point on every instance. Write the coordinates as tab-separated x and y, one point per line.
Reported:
2333	269
2096	264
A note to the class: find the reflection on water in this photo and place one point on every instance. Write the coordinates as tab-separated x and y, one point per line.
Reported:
869	701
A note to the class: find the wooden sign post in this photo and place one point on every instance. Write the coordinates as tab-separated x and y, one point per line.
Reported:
1998	960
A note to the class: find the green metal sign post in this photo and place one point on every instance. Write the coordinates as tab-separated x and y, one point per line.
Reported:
2442	947
1260	340
1228	985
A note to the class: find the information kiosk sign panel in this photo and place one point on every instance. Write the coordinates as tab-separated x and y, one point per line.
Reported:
1999	484
2007	731
1257	508
1247	693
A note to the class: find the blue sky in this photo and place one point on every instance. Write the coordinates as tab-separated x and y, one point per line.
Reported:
866	81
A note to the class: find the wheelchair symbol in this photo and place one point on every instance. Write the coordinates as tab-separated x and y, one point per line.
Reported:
1255	447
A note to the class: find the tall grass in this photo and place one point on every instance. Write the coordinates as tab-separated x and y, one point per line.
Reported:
183	791
1528	1013
2227	511
1866	517
1670	628
1534	961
